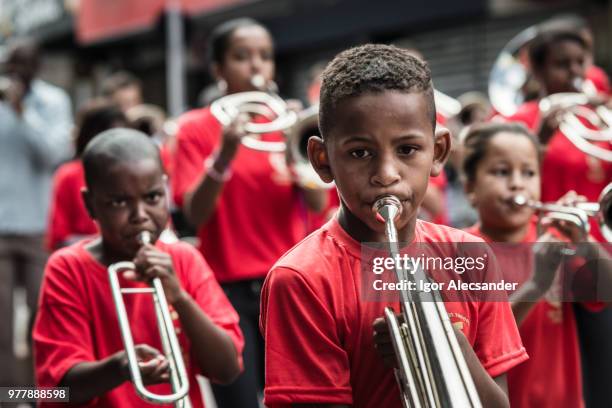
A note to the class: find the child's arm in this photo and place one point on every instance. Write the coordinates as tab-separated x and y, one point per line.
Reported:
492	392
89	380
212	347
548	255
201	202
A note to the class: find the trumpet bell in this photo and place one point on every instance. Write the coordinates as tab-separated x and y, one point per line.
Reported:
605	212
306	126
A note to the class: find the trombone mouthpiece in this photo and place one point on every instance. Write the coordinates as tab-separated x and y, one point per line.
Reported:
387	208
145	237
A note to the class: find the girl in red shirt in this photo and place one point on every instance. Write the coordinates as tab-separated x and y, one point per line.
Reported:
500	162
247	208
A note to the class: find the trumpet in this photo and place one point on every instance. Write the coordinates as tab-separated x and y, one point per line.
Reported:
432	371
264	103
170	345
579	213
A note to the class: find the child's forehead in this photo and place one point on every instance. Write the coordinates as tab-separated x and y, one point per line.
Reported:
388	109
121	174
512	144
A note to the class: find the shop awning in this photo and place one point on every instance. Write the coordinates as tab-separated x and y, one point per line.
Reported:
100	20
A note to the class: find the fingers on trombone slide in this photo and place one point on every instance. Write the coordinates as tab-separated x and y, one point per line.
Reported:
382	341
154	366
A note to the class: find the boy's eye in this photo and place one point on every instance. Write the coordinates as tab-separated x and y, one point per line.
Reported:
406	150
360	153
154	197
118	202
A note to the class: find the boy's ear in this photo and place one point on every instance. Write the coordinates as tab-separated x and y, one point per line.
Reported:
442	149
88	200
317	154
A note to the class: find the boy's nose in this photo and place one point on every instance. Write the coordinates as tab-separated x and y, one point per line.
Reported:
386	173
139	213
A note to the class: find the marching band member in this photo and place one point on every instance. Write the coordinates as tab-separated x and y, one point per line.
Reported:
377	118
77	341
502	161
247	208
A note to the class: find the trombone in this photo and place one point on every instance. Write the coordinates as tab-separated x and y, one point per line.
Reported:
432	371
170	345
579	213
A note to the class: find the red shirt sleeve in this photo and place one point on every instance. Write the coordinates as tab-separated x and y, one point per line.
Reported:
62	335
198	280
58	228
498	344
305	358
195	142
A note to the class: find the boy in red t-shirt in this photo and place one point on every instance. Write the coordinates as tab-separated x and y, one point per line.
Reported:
377	119
77	342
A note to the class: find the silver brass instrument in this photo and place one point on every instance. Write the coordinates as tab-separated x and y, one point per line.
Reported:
574	129
432	371
579	213
261	103
509	75
446	105
306	126
170	345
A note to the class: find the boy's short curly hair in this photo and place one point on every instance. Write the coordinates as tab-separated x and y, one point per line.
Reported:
372	68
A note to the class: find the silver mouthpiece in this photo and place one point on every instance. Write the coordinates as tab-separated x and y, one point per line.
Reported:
520	200
388	207
145	237
259	82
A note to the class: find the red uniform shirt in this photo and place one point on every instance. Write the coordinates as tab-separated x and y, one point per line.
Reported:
318	331
68	216
259	214
552	375
599	78
565	167
77	321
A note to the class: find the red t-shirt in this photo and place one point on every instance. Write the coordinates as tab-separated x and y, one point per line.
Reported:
68	216
259	214
77	321
565	167
599	78
552	375
318	331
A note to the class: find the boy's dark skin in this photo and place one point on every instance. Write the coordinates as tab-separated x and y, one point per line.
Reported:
128	197
384	143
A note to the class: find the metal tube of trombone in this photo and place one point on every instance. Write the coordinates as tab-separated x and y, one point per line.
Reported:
170	345
432	371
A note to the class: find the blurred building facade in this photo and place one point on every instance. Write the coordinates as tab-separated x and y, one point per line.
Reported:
85	40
